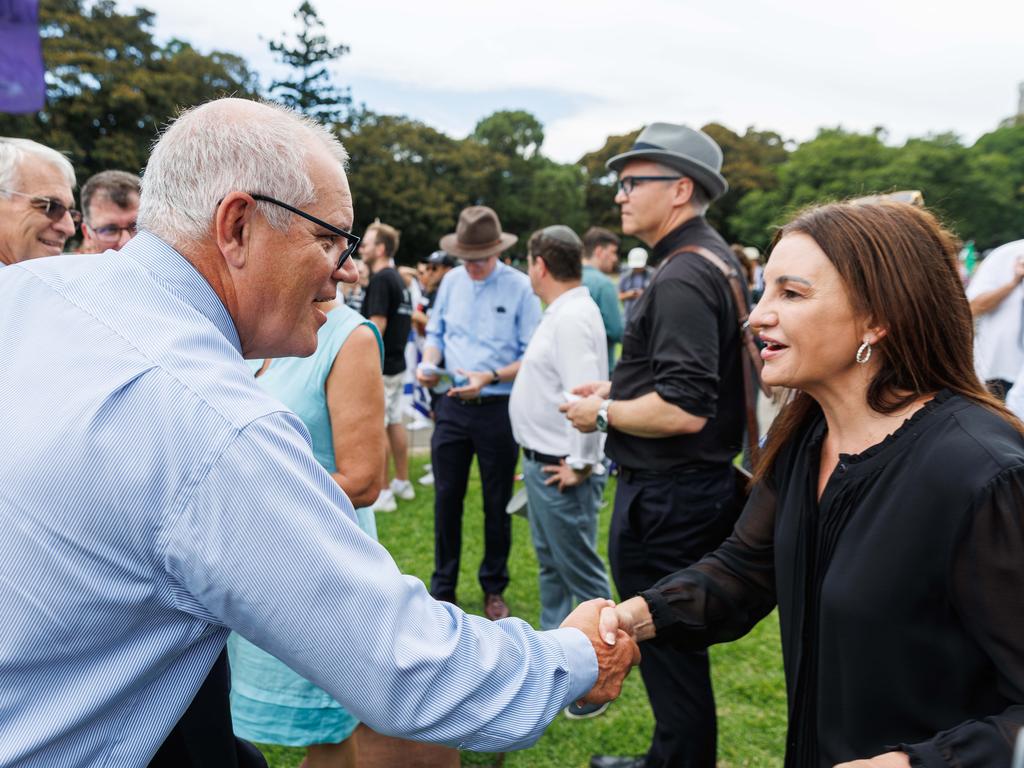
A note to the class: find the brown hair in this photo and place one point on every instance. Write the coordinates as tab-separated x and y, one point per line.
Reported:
561	257
596	237
119	186
898	265
387	236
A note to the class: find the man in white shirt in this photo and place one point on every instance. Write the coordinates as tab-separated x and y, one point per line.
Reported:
561	466
997	302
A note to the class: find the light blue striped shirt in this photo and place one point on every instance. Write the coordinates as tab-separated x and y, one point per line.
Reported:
480	325
152	497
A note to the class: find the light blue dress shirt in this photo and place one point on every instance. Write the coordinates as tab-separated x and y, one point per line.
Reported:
483	325
153	497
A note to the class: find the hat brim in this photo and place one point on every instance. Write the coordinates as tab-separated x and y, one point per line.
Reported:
450	243
711	180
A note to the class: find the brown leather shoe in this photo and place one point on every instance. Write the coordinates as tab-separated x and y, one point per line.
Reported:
495	608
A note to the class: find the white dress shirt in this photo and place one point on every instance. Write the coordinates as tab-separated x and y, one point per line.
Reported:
998	343
568	348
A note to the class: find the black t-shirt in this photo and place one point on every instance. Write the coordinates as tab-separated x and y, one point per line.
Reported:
387	295
682	341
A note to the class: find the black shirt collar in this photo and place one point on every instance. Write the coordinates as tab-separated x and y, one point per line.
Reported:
674	240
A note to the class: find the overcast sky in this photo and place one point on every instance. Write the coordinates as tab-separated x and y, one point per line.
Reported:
591	68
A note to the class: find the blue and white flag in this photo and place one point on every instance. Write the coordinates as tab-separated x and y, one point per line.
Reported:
22	82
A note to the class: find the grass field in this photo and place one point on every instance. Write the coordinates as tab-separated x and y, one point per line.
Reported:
749	687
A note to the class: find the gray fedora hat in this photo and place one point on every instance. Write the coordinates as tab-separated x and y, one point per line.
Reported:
692	153
478	235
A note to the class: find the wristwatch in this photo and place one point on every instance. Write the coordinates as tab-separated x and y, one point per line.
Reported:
495	378
602	416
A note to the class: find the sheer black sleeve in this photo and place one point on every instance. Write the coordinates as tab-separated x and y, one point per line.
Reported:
727	592
988	593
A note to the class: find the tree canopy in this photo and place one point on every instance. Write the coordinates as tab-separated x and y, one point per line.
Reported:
111	86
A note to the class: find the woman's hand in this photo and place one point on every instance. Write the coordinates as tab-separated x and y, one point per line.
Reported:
888	760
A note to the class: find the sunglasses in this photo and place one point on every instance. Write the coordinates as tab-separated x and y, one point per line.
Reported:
353	240
54	210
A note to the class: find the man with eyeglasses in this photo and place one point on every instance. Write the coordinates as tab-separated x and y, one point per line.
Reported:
110	205
154	497
674	414
37	213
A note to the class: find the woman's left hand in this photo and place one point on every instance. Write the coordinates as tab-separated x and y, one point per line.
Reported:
888	760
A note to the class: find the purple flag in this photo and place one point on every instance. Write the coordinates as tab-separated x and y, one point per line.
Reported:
22	85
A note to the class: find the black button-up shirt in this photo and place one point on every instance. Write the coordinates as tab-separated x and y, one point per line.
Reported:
683	342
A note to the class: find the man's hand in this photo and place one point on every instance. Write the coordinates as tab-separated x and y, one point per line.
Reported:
600	388
583	413
564	475
471	389
424	379
613	661
888	760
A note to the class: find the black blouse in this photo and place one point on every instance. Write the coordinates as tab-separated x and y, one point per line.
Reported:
900	594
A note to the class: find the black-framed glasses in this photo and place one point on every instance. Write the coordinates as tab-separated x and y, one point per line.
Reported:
353	240
627	183
54	210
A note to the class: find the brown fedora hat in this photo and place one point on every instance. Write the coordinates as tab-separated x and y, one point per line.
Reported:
478	235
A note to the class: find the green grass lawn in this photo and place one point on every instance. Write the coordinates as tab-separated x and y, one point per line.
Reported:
749	686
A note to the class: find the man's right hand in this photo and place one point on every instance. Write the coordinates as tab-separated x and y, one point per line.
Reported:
425	379
613	660
600	388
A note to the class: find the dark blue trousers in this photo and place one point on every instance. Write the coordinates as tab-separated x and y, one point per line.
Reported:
460	432
661	524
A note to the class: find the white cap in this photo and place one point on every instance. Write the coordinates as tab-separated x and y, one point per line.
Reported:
637	258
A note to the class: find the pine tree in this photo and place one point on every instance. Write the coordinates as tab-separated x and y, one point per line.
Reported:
310	90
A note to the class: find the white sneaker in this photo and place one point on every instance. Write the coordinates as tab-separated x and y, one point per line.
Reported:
427	479
403	489
385	502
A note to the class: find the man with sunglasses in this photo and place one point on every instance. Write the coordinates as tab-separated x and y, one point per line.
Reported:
110	205
37	213
674	416
155	498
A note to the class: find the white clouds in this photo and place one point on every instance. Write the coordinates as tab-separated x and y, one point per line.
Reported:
912	66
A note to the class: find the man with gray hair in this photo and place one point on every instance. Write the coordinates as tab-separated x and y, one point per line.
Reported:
110	206
187	503
37	213
674	413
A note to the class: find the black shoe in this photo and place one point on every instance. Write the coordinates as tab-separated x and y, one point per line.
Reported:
617	761
577	711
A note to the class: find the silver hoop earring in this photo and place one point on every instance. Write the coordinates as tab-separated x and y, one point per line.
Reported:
863	353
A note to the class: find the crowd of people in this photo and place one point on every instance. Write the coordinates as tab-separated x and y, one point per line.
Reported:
206	408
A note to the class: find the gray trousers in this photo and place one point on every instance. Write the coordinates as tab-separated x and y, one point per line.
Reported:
564	531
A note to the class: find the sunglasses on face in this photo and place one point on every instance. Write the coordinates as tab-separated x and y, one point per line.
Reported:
54	210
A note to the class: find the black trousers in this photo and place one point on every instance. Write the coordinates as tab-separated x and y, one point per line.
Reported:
203	737
662	523
462	430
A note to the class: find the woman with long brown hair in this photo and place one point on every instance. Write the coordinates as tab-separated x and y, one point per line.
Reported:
886	516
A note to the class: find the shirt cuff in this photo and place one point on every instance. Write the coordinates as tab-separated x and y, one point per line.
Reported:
581	662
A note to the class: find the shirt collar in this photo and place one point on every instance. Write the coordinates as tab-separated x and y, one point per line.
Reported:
671	242
566	297
177	274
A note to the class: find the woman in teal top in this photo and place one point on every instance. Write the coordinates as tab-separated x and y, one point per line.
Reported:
269	702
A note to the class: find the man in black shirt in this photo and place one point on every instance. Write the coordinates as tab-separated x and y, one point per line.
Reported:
674	417
388	305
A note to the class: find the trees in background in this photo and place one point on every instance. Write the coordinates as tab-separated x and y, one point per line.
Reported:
111	87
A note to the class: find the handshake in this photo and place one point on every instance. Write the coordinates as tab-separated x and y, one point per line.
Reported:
613	631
